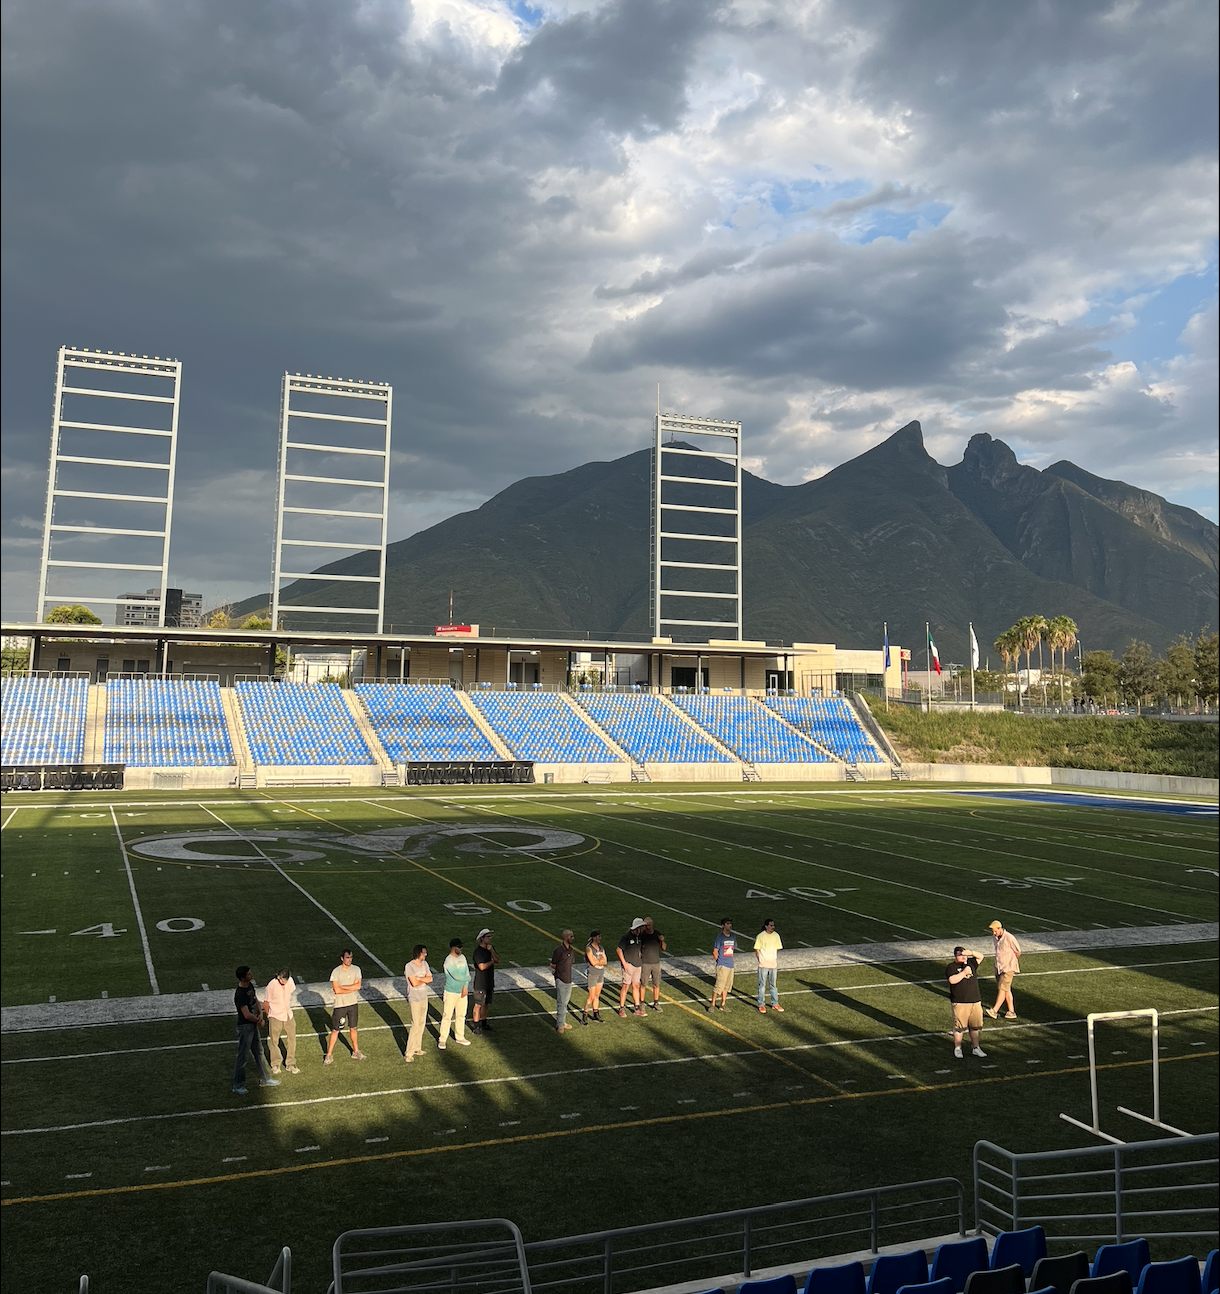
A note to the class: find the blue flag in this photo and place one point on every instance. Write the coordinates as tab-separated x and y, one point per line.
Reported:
887	646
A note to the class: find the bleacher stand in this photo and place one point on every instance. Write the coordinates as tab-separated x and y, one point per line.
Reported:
423	722
542	727
648	730
748	729
830	722
300	723
166	723
44	720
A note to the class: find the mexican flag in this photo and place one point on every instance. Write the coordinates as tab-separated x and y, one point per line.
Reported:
933	654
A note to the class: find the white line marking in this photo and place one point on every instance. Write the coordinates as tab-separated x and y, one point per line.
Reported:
157	1168
554	1073
373	1141
135	901
237	1159
301	1150
76	1177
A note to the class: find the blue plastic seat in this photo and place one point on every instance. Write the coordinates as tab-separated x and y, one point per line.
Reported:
1024	1247
1180	1277
942	1286
1131	1257
891	1272
997	1280
777	1285
1118	1282
956	1261
1211	1272
847	1279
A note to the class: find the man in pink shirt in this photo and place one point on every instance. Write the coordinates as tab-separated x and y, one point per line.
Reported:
277	1005
1007	964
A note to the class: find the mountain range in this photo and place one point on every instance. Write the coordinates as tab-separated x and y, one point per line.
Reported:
889	536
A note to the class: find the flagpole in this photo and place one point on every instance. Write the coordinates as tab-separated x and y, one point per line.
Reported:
885	664
927	662
973	666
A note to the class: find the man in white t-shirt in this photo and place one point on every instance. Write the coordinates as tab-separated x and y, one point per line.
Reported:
418	975
345	982
767	945
277	1006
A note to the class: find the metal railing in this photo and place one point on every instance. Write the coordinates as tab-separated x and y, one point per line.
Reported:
1164	1189
747	1240
477	1257
279	1282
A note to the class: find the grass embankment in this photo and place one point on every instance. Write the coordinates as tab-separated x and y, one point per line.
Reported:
1097	742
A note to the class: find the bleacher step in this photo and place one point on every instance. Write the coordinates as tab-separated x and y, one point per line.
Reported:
95	725
356	709
479	720
809	737
588	720
709	737
237	733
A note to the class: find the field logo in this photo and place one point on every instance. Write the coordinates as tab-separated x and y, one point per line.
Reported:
306	846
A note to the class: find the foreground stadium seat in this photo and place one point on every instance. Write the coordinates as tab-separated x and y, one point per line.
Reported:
957	1261
1024	1247
1118	1282
778	1285
1131	1257
1180	1277
942	1286
1061	1272
999	1280
847	1279
892	1271
1211	1272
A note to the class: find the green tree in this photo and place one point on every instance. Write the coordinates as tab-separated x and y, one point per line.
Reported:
1061	637
989	680
1207	665
1138	671
1007	645
256	622
72	615
1176	673
1099	676
16	660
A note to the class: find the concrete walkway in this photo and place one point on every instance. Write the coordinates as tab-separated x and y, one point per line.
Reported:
219	1002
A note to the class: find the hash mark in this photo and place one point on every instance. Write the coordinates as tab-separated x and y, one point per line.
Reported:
300	1150
372	1141
76	1177
510	1123
445	1132
233	1159
155	1168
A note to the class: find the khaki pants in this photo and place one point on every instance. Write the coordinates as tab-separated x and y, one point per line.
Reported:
415	1038
453	1014
289	1029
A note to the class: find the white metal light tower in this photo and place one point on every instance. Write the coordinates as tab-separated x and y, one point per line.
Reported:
301	442
94	442
709	544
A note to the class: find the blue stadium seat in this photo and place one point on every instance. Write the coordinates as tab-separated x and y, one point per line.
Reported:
648	730
777	1285
956	1261
1024	1247
750	730
1131	1257
831	722
1118	1282
892	1271
1180	1277
44	720
543	727
942	1286
166	723
997	1280
423	721
1211	1273
300	723
846	1279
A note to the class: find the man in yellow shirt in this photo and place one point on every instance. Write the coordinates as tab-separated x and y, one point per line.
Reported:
766	952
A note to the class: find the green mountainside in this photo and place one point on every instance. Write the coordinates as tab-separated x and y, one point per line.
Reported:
889	536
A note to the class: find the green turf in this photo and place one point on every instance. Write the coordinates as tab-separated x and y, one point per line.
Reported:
853	1085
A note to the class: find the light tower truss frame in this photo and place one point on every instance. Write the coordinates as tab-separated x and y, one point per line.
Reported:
672	426
342	389
117	365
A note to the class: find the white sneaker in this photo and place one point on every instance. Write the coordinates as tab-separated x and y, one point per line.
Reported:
462	1042
957	1051
977	1051
440	1046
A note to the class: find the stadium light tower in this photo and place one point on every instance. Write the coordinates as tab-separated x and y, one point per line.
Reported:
334	490
110	488
696	526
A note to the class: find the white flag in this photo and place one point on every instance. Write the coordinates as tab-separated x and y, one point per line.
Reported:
974	650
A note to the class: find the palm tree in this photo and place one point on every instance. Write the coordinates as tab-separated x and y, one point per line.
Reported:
1061	635
1006	645
1028	631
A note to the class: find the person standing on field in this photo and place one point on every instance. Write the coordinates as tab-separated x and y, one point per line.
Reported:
1007	964
965	1000
767	945
628	950
652	945
486	959
724	953
561	967
249	1017
595	978
418	975
277	1006
457	986
345	981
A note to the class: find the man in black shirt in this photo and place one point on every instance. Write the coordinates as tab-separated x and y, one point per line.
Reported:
561	968
249	1017
486	959
965	1000
652	945
628	950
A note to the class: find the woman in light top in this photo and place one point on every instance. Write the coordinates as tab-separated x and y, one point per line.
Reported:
595	977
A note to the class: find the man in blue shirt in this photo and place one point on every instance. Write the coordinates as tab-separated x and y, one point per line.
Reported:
457	985
724	955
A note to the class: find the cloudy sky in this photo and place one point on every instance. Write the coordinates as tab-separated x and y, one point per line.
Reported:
823	217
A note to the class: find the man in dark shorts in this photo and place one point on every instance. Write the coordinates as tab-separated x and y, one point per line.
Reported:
345	981
486	959
965	999
628	950
249	1017
652	945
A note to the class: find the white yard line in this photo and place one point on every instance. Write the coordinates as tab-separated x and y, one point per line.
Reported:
135	901
12	813
364	948
531	1078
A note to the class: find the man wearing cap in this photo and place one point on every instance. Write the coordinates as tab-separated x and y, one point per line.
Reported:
453	1001
965	1000
486	959
652	945
1007	964
628	950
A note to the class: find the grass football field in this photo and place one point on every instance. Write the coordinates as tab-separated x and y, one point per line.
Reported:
127	1156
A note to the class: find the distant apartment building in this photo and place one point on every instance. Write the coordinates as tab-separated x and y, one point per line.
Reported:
182	610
